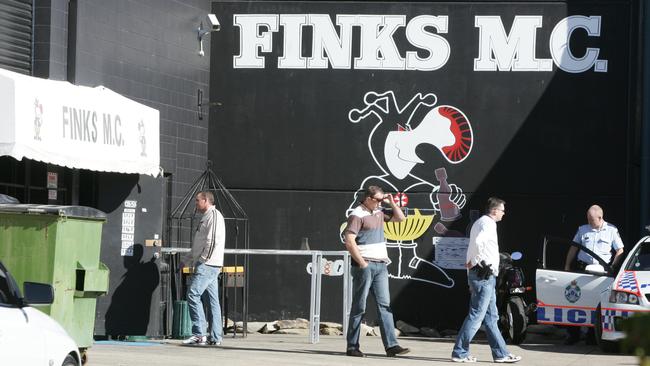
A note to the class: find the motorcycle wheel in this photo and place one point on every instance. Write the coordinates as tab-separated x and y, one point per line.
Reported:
516	320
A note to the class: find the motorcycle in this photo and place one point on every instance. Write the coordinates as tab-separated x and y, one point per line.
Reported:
511	303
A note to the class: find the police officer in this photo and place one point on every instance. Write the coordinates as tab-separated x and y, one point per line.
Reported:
598	236
601	238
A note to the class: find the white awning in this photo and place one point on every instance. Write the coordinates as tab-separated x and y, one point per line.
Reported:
76	126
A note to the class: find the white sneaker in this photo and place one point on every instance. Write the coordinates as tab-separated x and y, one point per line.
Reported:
508	359
196	340
466	359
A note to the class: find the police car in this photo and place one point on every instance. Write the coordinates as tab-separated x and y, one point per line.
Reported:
598	297
27	335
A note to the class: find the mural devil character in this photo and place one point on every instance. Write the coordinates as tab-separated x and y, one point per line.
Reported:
392	144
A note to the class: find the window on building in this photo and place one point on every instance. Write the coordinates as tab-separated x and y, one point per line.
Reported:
35	182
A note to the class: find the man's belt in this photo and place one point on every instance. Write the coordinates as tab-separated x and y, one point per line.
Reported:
355	264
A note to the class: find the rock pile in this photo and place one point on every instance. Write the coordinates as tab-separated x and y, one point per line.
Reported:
300	326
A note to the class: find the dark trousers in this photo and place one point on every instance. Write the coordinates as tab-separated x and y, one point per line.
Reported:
574	333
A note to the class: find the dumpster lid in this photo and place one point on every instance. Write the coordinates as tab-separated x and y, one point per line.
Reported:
69	211
8	199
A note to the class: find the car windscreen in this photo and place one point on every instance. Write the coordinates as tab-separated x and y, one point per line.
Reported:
8	295
640	258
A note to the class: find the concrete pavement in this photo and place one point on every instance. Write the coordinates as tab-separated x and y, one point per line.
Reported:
271	349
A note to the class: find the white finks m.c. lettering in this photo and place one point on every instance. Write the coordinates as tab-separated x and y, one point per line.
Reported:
255	35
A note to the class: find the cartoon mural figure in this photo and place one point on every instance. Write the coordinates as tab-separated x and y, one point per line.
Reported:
392	144
142	138
38	119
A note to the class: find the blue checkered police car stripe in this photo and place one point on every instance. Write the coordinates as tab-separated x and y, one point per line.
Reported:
608	316
627	282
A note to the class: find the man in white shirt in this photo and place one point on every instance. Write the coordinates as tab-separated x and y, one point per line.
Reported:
206	258
483	268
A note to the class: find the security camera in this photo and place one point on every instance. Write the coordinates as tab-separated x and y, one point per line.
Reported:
212	25
212	22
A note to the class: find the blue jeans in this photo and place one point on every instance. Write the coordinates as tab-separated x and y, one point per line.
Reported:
373	278
205	279
482	309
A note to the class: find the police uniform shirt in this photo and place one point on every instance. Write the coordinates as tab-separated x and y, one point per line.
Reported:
600	241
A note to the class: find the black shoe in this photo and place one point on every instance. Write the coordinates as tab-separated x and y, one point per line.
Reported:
354	353
590	337
212	342
571	341
396	350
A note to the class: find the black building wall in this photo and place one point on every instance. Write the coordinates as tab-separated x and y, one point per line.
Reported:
146	51
551	143
51	39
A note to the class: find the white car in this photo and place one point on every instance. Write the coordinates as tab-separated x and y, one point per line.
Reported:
27	335
599	296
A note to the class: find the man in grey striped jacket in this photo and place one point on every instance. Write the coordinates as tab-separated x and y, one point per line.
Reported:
207	260
365	240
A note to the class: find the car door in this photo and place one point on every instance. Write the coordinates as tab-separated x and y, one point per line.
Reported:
567	297
20	342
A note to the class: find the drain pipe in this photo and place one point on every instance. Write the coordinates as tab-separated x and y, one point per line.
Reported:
644	161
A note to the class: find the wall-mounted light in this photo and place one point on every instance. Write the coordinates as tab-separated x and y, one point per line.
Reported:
212	25
200	104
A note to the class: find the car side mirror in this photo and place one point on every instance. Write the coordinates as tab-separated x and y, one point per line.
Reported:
38	293
516	256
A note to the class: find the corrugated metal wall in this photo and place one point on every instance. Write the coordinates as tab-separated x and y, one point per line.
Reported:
16	34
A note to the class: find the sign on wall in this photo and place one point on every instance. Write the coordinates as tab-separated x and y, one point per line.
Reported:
289	75
76	126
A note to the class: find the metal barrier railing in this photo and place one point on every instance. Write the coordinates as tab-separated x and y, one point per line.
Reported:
315	290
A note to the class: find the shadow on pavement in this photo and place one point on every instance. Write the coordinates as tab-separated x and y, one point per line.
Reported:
333	353
540	338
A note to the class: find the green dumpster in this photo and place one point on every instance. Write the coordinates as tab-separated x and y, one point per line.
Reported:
58	245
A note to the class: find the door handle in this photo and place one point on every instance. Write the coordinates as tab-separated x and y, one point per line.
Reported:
548	279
